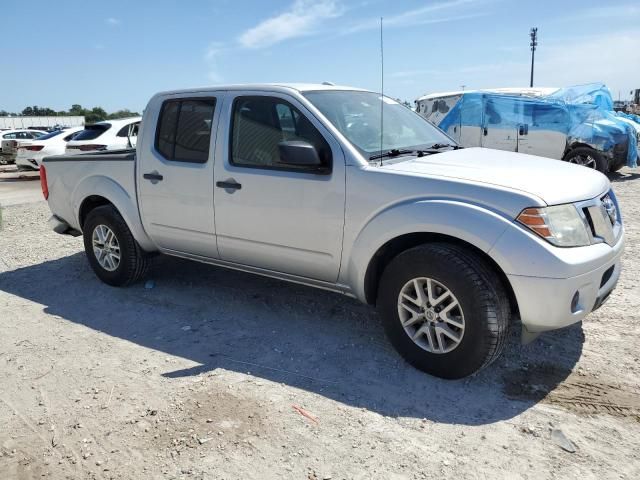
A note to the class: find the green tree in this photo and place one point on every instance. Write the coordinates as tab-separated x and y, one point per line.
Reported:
77	110
124	113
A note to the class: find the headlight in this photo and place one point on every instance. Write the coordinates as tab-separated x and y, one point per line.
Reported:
560	225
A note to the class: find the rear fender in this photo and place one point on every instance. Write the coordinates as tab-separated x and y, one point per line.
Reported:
125	204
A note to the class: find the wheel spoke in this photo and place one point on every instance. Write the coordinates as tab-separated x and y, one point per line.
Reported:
442	329
416	315
444	315
415	301
419	288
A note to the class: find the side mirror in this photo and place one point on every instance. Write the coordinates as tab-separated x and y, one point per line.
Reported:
299	153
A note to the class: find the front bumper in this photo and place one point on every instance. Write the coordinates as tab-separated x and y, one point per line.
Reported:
548	303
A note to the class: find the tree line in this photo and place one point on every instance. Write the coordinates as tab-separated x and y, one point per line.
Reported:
93	115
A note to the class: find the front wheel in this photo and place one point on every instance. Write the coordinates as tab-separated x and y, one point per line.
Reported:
444	310
588	157
113	253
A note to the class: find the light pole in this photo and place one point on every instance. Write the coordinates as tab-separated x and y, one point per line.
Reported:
534	43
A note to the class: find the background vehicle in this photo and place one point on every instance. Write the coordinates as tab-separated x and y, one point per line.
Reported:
30	156
10	139
110	135
449	243
576	124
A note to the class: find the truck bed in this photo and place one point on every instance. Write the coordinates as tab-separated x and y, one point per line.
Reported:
72	178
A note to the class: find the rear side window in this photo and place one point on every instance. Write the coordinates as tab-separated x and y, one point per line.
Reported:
91	132
184	129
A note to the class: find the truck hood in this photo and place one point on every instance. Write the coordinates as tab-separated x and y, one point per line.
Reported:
553	181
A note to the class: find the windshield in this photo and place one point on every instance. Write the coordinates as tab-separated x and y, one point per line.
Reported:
357	116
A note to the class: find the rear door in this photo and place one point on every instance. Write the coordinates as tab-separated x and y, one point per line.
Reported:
270	215
175	173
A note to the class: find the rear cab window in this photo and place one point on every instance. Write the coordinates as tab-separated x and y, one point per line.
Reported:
183	133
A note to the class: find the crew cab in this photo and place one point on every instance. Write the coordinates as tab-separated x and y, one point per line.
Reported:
304	183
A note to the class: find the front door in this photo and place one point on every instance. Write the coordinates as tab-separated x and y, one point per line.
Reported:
175	174
271	215
500	123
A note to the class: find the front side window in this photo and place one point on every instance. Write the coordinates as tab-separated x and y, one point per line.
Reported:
260	124
358	116
184	129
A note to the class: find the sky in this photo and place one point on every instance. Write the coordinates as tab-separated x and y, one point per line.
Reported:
117	53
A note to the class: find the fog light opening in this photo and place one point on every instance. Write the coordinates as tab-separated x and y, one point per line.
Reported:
575	302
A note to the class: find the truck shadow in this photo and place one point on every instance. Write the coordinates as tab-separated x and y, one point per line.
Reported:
309	339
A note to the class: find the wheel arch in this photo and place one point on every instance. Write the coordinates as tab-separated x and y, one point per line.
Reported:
575	145
392	248
98	191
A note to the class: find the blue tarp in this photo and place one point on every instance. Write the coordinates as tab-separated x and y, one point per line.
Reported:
584	113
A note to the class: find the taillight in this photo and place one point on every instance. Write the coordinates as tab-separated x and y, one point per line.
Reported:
43	182
89	148
33	148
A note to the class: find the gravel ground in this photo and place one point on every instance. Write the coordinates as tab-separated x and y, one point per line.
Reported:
203	373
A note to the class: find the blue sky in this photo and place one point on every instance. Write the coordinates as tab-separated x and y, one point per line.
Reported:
117	53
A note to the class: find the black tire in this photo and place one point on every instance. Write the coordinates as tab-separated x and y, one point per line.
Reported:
617	166
479	292
133	260
601	162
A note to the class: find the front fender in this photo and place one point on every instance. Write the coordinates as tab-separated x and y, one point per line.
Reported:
473	224
103	186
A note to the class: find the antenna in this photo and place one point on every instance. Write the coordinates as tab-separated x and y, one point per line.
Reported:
381	90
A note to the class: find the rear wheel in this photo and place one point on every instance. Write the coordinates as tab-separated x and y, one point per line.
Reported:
588	157
444	309
113	253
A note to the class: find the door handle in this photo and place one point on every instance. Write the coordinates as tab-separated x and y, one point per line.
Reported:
153	176
485	131
230	184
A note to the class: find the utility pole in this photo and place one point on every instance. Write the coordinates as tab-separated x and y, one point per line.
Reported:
534	43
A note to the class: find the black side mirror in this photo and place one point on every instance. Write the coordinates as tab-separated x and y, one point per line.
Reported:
299	154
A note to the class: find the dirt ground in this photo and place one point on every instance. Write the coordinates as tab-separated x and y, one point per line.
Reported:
204	373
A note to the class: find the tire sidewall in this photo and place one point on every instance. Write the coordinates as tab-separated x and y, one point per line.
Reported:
472	351
119	275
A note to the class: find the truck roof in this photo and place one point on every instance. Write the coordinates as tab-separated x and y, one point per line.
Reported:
519	91
299	87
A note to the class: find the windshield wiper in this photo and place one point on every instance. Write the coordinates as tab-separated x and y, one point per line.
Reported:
394	152
440	146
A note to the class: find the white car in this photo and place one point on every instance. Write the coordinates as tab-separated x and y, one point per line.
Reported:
109	135
9	140
30	156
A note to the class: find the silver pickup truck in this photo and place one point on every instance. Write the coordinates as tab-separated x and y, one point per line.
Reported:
345	190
